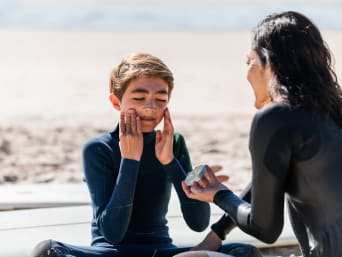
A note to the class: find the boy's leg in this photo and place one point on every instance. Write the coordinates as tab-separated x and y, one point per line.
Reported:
240	250
170	252
51	248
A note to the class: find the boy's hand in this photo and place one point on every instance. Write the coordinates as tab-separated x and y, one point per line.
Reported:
131	138
164	141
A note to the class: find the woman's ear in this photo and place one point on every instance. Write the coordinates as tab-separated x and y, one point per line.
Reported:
115	101
268	73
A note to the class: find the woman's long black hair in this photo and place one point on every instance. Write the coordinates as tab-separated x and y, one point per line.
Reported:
301	61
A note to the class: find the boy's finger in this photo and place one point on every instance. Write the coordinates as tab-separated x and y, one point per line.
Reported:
122	125
158	136
139	129
167	120
133	121
128	123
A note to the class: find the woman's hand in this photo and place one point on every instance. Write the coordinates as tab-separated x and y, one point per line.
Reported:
206	188
210	243
164	141
131	138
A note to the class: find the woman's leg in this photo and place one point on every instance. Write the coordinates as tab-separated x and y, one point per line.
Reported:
240	250
227	250
51	248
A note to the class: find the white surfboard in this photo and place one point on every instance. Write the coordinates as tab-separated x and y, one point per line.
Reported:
21	229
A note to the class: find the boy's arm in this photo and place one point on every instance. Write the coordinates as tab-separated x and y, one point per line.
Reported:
112	197
196	213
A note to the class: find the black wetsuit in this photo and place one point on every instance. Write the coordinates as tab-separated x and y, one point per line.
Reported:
130	202
297	154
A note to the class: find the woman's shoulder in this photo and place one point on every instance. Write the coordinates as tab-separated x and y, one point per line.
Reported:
278	111
275	115
275	108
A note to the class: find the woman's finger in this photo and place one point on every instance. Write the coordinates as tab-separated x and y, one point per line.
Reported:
222	178
203	182
215	168
196	189
209	174
186	189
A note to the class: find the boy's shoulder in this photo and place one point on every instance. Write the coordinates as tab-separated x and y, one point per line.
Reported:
179	145
178	137
106	139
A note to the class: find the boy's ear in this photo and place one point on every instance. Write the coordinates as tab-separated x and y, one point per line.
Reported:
115	101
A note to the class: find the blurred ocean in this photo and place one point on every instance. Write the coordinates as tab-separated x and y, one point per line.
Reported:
185	15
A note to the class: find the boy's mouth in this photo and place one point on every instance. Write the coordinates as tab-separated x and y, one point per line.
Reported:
147	118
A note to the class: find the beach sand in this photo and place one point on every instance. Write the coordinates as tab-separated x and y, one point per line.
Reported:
54	97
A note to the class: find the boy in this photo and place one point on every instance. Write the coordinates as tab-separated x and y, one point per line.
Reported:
130	171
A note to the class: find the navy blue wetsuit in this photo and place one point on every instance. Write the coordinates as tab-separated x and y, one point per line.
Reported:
296	153
130	202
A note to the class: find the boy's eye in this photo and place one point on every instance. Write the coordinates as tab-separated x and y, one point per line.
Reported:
161	100
138	98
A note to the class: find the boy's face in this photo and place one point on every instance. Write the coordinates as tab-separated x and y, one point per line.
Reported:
148	97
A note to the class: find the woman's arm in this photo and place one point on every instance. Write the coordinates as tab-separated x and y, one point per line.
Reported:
270	147
225	224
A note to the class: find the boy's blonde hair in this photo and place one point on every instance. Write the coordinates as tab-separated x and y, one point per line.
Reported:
136	66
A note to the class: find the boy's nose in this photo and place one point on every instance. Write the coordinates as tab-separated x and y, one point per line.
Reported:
150	106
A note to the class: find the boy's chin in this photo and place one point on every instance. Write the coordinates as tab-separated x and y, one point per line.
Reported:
147	129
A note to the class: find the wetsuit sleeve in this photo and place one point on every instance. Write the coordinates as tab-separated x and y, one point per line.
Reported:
270	153
112	197
196	213
225	224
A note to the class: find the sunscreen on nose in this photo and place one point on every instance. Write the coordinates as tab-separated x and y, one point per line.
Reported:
150	106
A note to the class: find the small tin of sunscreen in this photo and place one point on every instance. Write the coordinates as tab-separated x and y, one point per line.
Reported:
195	175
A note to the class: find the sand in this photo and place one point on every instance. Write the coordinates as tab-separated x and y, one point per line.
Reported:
54	97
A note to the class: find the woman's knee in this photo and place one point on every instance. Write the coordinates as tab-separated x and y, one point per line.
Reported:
255	252
44	249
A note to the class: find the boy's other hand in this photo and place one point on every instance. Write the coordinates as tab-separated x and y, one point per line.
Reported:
131	138
164	141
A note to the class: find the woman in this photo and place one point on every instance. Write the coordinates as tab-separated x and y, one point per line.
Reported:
295	140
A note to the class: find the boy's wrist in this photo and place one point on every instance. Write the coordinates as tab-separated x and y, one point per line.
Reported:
167	161
130	158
